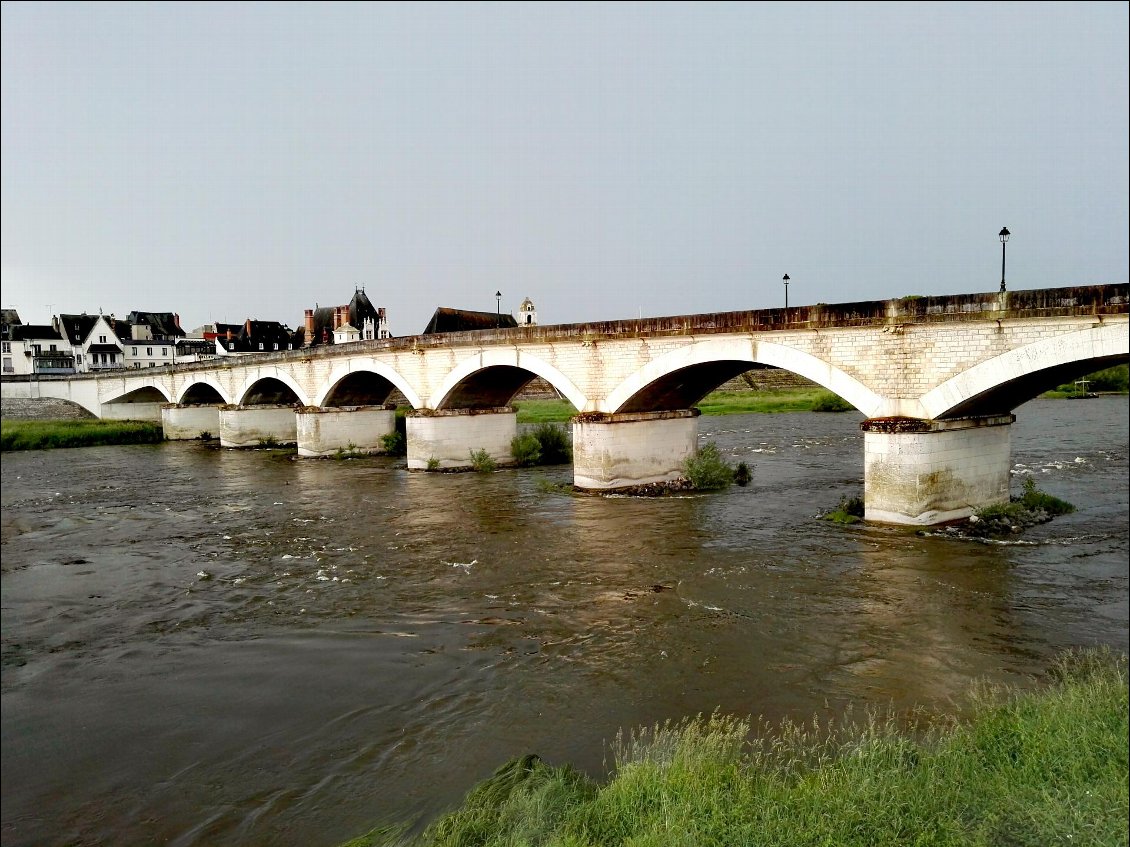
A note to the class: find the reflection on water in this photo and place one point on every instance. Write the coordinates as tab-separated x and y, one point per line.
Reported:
218	647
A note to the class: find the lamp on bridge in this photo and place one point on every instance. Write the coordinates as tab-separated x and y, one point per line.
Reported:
498	308
785	279
1004	234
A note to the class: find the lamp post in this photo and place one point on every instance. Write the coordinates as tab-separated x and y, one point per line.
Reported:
785	280
498	309
1004	234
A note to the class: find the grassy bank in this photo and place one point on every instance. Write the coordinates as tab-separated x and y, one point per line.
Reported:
44	435
1036	768
715	403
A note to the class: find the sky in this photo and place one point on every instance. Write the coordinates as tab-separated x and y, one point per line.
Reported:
606	160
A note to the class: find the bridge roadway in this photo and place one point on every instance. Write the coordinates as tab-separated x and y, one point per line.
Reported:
936	377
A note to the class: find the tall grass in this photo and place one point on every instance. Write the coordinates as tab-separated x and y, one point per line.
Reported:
45	435
1024	768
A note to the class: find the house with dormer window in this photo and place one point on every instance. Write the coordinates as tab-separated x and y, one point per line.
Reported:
93	341
253	337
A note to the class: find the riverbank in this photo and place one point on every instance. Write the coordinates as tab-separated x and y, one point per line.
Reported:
44	435
813	399
1025	767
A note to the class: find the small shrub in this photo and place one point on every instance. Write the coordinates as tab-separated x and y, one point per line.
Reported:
482	462
850	510
433	463
268	441
826	401
394	443
554	443
205	435
742	475
707	470
548	486
526	449
1036	500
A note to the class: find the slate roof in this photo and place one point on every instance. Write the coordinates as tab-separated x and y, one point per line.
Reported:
35	332
459	320
8	319
361	309
77	327
162	324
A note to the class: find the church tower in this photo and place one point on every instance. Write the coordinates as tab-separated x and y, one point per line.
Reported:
527	313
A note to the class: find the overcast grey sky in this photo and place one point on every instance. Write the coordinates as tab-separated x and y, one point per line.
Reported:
606	160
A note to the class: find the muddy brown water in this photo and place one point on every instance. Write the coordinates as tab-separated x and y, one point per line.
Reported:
209	647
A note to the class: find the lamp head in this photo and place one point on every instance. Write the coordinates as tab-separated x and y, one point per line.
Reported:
1004	234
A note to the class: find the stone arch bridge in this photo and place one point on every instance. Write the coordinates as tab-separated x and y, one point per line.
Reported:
936	377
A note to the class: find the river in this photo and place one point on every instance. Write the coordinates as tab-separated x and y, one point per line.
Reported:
211	647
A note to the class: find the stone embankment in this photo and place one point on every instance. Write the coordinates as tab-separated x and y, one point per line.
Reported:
45	409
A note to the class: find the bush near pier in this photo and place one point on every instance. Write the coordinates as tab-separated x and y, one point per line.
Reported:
1024	768
43	435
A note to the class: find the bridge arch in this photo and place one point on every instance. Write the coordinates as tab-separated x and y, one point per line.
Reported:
682	377
203	391
148	392
355	380
492	377
275	388
1000	384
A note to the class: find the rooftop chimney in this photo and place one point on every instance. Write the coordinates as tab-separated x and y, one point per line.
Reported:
176	319
308	340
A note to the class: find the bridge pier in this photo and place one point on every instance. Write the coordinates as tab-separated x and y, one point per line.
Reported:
131	411
616	451
443	439
257	426
186	422
323	431
925	472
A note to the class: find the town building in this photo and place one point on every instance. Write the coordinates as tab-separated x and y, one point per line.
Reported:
254	337
321	324
36	349
460	320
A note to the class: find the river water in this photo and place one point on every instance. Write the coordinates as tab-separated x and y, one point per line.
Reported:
210	647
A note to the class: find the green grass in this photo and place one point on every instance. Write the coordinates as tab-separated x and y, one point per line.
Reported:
715	403
544	411
788	400
45	435
1047	767
1109	381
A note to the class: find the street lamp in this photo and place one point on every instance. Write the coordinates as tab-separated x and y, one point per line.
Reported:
1004	234
498	308
785	279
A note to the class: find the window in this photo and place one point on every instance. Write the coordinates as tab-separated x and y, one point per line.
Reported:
8	362
135	351
152	364
35	349
78	358
54	349
275	346
7	346
137	364
368	335
102	339
260	345
148	351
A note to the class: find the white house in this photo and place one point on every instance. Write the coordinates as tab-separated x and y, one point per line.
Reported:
35	349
